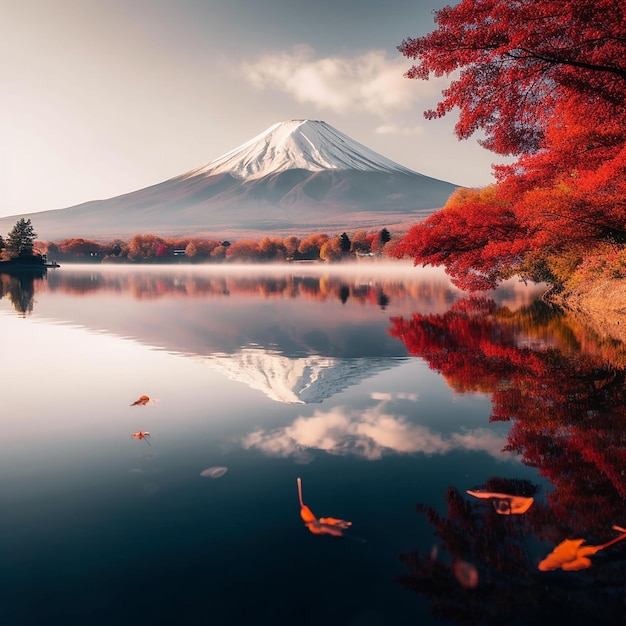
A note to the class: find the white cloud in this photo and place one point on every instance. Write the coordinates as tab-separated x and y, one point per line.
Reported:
371	82
370	434
394	129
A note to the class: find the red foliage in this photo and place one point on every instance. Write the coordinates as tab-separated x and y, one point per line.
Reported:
546	81
573	192
163	250
515	61
478	238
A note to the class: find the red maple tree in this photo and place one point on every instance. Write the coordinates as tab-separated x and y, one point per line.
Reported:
516	61
545	82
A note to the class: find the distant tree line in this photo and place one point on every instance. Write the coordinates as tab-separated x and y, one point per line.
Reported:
147	248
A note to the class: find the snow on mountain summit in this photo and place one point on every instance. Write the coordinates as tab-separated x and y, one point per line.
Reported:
311	145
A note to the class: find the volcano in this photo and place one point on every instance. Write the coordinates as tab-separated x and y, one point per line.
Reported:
296	177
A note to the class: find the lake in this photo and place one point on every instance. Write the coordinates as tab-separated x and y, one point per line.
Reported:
389	393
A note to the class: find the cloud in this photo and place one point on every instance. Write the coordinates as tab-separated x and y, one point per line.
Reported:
369	434
394	129
370	82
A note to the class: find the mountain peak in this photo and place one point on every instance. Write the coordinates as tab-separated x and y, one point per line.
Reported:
311	145
301	176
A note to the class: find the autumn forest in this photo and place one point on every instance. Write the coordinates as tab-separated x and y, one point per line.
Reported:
147	248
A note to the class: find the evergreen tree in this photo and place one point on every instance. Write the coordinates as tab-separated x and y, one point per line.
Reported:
384	236
21	239
344	243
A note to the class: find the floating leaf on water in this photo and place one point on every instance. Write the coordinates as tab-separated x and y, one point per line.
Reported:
141	434
504	503
570	555
214	472
141	401
323	526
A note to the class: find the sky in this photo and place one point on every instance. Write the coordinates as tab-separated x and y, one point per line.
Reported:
104	97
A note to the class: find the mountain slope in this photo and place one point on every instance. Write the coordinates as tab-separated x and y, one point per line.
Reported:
299	176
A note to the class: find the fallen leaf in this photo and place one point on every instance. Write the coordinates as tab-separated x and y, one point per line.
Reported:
323	525
570	555
504	503
142	434
141	401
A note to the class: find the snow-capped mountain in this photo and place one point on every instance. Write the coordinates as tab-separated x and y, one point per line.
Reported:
309	145
300	380
297	177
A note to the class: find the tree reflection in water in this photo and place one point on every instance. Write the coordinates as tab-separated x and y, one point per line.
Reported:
146	285
564	395
20	289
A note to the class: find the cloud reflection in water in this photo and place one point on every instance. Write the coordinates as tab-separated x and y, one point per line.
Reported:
370	434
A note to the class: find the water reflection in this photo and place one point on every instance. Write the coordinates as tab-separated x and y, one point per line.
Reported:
20	290
510	583
271	282
298	380
369	433
405	387
314	331
565	400
563	391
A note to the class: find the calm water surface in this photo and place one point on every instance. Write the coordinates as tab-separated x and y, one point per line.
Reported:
387	391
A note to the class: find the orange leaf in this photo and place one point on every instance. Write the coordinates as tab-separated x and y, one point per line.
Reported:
571	555
318	528
331	521
565	552
143	400
323	526
504	503
142	434
307	515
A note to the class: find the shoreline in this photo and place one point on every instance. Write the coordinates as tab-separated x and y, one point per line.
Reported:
600	305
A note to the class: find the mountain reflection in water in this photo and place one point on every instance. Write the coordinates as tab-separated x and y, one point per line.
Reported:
557	412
